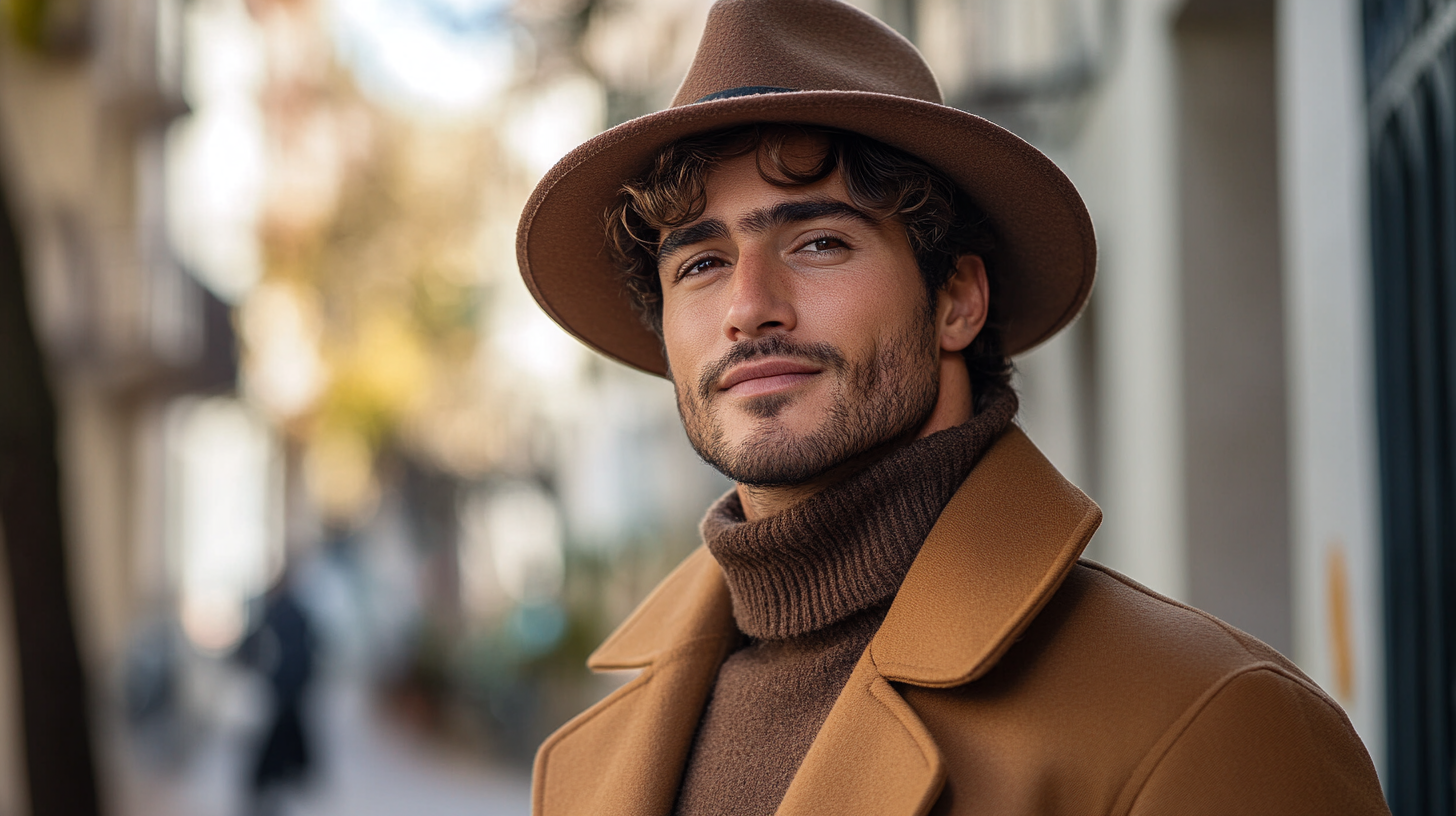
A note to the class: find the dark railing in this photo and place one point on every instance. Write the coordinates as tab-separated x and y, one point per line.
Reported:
1410	62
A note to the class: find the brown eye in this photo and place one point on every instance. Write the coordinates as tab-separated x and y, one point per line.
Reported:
699	266
824	244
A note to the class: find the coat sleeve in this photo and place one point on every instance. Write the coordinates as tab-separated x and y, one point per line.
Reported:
1261	743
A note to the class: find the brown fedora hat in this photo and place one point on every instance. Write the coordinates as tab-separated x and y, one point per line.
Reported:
813	62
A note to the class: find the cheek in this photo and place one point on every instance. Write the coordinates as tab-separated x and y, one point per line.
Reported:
685	335
869	306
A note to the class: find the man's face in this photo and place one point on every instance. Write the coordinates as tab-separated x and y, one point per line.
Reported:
797	328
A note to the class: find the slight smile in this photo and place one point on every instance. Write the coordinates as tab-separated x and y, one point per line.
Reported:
766	377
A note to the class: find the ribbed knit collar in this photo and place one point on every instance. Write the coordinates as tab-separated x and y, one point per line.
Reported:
847	548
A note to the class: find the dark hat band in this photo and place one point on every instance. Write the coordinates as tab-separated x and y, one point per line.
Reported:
745	90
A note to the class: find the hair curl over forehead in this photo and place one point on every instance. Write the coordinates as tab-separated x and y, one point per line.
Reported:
940	221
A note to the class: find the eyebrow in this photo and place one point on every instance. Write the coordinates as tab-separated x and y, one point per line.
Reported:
763	220
792	212
701	231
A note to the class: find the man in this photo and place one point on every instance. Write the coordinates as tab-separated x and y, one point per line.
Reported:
889	615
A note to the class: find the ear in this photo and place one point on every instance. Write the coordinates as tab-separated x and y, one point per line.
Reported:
962	304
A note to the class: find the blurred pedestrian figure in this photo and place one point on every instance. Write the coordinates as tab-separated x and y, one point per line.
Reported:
281	647
151	688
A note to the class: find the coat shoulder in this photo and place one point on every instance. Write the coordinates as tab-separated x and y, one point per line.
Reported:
1109	700
1181	637
1128	652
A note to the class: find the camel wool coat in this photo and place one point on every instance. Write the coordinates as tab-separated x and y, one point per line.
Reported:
1009	677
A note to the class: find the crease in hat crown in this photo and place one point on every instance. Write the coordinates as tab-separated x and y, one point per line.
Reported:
818	63
801	46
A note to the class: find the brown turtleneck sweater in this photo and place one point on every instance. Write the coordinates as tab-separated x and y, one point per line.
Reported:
810	587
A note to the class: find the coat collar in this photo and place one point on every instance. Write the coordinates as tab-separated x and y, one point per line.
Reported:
996	555
1001	548
691	604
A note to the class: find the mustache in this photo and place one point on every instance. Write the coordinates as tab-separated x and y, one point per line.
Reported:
774	345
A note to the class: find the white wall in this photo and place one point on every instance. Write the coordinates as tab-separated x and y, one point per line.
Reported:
1125	159
1232	319
1124	163
1333	460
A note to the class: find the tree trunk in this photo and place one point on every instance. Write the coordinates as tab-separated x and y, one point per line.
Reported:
60	768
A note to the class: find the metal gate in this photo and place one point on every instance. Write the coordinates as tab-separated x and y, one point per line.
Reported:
1410	63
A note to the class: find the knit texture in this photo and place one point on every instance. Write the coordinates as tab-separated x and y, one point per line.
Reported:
810	587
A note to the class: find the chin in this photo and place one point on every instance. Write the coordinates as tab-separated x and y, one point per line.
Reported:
774	454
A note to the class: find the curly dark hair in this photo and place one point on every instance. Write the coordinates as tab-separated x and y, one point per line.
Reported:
940	220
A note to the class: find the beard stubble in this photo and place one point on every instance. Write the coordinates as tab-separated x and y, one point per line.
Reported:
874	402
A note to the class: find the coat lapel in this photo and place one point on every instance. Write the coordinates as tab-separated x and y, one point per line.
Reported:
998	552
625	755
872	756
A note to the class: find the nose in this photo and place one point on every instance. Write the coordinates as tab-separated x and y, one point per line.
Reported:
759	298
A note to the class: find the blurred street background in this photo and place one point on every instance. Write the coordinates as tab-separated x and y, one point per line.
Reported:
307	508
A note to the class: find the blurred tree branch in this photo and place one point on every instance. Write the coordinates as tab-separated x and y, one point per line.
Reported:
55	706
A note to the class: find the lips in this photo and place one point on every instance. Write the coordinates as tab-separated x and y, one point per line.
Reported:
766	375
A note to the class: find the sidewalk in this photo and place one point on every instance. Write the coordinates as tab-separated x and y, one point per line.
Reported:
367	767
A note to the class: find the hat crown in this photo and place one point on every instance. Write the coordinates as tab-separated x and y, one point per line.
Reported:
803	45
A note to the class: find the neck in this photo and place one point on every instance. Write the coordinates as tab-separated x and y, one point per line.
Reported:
952	408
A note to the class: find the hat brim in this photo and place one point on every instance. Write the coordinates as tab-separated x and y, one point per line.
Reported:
1045	257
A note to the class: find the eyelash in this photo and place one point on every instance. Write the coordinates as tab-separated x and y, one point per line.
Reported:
843	244
692	263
